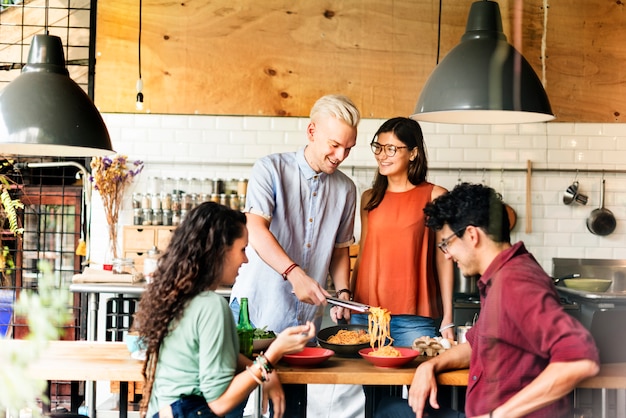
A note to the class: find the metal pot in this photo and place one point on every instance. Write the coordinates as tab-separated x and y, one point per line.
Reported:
464	285
601	221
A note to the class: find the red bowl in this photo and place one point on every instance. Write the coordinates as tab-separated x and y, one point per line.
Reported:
308	357
408	354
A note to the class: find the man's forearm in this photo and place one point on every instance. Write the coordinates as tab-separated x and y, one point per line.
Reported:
556	381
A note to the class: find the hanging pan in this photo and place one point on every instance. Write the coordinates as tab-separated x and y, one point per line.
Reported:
601	221
510	212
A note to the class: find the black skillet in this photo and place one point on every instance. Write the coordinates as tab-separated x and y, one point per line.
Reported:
601	221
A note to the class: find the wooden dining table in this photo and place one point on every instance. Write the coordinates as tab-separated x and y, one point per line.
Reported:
79	361
102	361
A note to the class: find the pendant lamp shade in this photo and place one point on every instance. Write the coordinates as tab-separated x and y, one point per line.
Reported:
43	112
483	80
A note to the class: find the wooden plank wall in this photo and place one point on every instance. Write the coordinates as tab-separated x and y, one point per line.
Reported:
275	57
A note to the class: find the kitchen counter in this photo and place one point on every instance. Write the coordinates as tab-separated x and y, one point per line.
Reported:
597	297
135	289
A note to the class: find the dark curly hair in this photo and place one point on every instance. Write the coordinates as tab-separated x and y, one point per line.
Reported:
191	264
409	132
470	204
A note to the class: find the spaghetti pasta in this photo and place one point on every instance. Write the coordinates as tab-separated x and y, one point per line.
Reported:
386	351
378	327
348	337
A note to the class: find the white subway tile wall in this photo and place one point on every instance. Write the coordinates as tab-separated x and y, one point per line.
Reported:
187	146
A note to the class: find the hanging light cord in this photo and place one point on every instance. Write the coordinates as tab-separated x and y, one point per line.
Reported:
139	41
139	102
439	32
543	42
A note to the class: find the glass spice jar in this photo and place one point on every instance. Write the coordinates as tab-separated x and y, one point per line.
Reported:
137	216
124	266
150	263
137	197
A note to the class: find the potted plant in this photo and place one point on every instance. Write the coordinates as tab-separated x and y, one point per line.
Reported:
46	312
8	214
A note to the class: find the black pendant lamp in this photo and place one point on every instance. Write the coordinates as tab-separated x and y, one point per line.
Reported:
484	79
43	112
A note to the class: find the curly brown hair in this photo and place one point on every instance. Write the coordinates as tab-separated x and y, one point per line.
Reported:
191	264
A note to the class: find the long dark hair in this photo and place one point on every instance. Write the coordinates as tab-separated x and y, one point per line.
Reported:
191	264
409	132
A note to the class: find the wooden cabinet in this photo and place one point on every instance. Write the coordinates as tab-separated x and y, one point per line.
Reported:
138	239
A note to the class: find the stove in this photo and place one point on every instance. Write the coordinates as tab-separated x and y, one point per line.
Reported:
602	313
465	309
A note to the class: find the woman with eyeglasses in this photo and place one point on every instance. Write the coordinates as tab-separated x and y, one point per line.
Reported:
399	267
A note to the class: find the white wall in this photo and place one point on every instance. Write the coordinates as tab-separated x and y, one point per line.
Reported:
226	146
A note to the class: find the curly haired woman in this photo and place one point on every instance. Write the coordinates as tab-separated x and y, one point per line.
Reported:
193	366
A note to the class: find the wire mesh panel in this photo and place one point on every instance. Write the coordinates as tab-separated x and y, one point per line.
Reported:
67	19
52	224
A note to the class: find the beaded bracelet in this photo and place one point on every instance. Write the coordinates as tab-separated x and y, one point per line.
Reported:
254	376
288	270
264	363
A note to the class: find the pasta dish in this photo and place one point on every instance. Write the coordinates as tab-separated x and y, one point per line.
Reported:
378	327
346	337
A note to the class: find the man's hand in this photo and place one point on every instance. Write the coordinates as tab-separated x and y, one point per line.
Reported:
423	388
306	288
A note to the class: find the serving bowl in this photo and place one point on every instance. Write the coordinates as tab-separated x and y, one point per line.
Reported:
310	356
588	285
261	344
407	354
341	350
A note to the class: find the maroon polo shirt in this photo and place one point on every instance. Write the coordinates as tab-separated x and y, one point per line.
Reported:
521	329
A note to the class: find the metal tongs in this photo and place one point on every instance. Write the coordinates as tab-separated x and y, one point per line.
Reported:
355	306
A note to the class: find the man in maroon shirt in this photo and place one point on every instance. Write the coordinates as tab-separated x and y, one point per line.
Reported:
525	353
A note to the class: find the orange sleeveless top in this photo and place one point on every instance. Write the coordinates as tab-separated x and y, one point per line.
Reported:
397	268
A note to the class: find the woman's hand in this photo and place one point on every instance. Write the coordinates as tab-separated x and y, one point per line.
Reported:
291	340
338	313
273	390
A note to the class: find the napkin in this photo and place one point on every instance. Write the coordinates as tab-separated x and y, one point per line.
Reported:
91	275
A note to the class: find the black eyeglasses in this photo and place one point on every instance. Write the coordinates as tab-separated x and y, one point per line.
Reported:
390	150
443	245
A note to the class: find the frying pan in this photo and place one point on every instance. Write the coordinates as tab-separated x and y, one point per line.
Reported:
510	213
512	216
601	221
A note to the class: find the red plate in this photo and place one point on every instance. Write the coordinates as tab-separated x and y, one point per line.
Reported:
309	356
408	354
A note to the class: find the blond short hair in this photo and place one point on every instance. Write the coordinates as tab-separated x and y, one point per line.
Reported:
337	106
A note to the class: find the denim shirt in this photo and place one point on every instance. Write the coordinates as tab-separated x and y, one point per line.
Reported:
310	214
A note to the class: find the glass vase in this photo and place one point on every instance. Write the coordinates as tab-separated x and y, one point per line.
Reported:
111	249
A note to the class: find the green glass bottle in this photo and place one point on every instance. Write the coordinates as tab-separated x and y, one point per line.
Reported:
245	330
